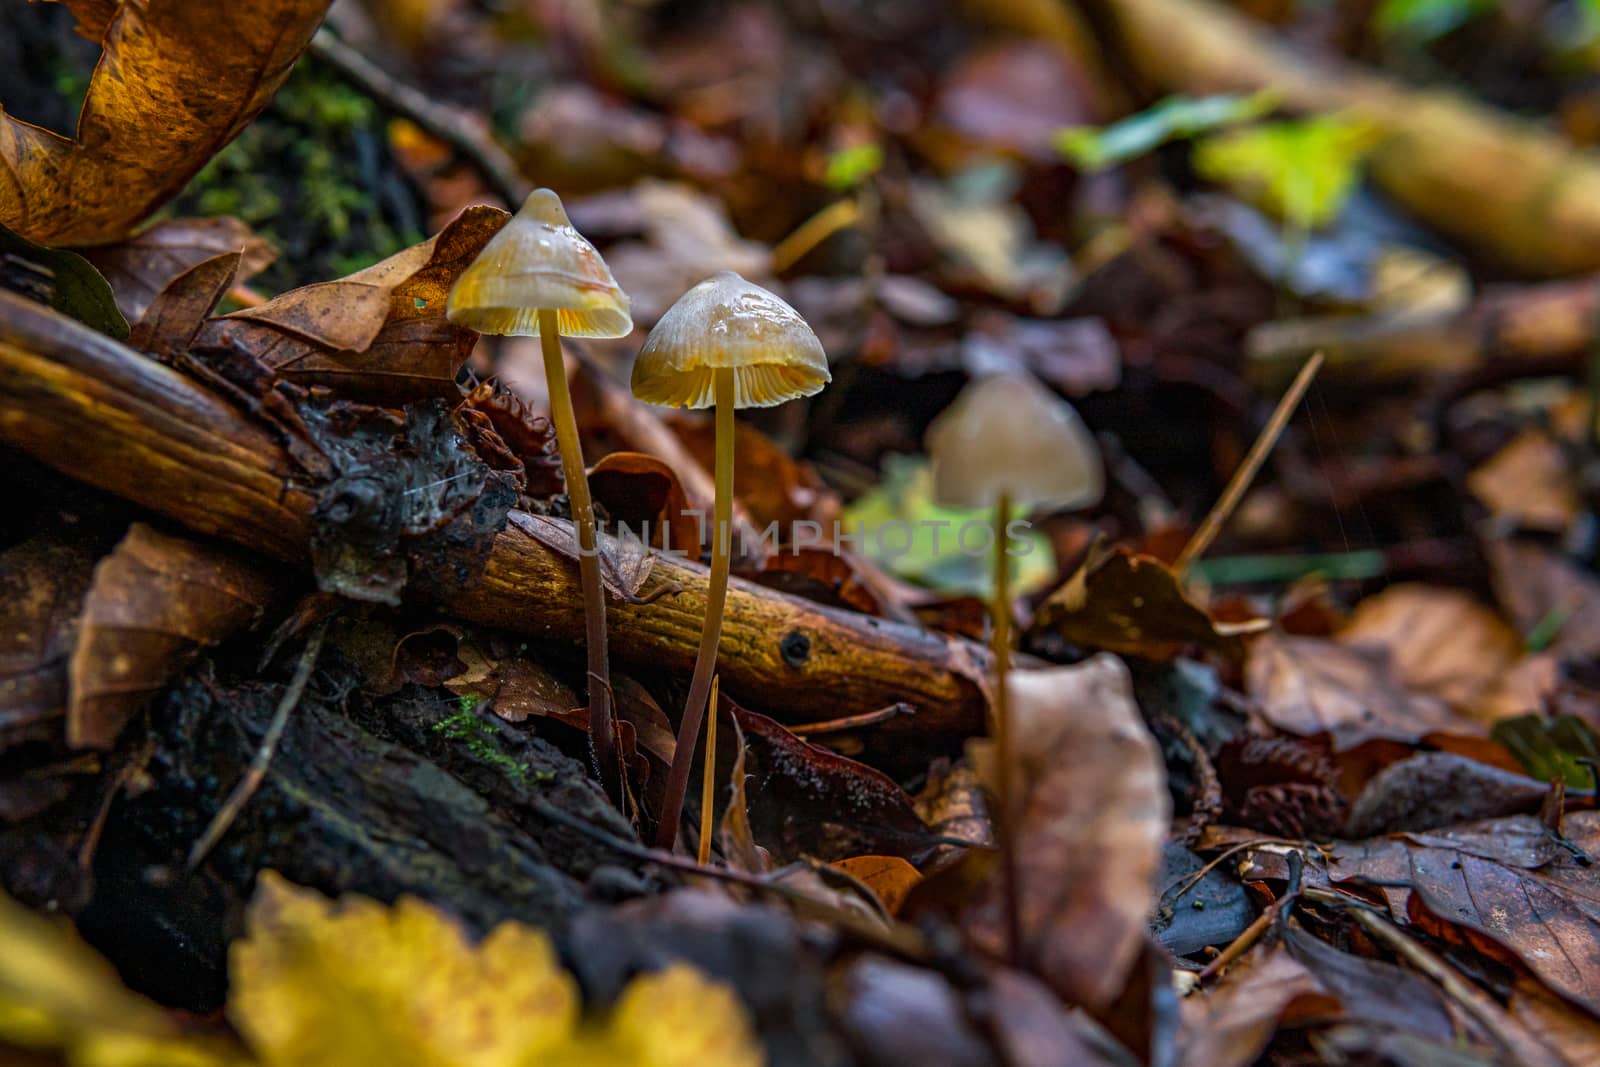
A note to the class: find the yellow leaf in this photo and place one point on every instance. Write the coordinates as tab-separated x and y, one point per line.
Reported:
58	995
317	983
680	1018
1301	171
320	984
888	876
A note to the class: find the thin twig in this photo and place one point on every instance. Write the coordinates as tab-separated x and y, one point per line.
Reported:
839	215
119	781
1207	806
1246	474
1263	922
463	130
900	938
852	722
257	771
1473	1000
1177	890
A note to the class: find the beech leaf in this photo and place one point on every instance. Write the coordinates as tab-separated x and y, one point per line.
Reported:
175	83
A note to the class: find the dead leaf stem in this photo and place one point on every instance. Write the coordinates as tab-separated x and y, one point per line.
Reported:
463	130
1246	474
257	771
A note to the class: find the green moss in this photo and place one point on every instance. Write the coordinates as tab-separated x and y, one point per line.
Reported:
313	174
479	739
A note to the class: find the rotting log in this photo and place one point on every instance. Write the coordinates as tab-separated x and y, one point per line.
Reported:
1501	185
117	420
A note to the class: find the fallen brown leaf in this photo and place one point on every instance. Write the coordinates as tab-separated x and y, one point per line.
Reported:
1134	605
1507	881
1569	1032
1530	482
644	494
1229	1026
1439	641
806	800
1311	686
175	83
141	266
155	601
380	333
888	876
1093	811
42	584
1543	590
179	310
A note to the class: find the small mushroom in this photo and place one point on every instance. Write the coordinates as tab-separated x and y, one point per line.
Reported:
1006	442
539	277
725	344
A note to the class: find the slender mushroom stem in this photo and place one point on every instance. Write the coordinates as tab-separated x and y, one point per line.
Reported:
601	739
708	779
1000	613
705	660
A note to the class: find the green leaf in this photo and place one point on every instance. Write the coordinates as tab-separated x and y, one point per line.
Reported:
1301	171
1421	21
1175	118
906	533
849	167
1550	748
63	280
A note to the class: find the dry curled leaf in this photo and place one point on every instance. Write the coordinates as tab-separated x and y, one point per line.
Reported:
1440	641
319	984
1093	811
1310	686
643	493
142	266
1530	482
888	876
380	333
807	800
179	310
155	601
1119	601
1507	881
175	83
42	585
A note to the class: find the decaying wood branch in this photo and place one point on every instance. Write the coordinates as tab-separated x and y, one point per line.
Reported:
1538	328
1503	186
119	421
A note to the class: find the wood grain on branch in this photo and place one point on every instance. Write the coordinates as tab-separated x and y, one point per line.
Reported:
115	419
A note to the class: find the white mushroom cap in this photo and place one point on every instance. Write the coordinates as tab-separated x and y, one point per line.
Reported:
538	261
726	321
1010	434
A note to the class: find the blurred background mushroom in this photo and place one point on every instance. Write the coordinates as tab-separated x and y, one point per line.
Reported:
1007	441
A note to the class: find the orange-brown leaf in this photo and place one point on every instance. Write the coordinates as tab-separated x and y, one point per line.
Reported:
144	265
155	601
1122	602
381	332
1093	810
175	83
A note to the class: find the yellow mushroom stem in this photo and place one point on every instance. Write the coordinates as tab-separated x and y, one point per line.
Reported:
708	779
601	736
1005	758
705	660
